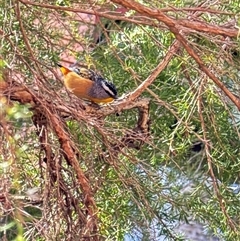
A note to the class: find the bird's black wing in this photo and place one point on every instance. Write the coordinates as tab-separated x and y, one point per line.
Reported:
90	74
86	73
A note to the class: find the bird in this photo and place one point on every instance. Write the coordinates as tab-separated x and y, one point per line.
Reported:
89	85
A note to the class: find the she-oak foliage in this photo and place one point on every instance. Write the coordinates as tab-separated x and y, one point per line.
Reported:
182	170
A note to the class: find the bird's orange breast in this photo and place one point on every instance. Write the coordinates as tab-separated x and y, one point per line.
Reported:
83	88
77	85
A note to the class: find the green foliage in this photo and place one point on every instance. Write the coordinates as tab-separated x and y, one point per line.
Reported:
163	182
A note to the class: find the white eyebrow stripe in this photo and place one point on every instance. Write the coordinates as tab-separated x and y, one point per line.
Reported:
107	89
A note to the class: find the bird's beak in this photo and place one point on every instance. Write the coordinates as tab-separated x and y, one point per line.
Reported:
63	69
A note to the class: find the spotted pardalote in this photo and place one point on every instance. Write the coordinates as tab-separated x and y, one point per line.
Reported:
86	84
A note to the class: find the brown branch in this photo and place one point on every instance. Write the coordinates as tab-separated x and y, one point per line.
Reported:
174	28
70	155
45	110
97	13
153	13
17	92
160	67
139	134
40	122
206	27
196	9
172	23
209	160
25	39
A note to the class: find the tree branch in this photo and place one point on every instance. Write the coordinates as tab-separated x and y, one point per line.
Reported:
153	13
174	28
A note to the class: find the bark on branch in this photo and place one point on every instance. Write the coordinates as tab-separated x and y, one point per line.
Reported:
173	26
155	13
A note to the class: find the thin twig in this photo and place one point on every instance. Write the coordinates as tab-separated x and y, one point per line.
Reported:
157	13
174	28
